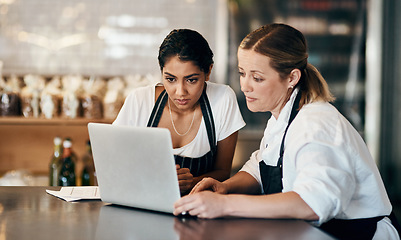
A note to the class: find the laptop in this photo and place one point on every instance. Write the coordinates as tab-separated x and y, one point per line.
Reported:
135	166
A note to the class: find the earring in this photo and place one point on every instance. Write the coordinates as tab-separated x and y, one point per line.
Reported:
291	87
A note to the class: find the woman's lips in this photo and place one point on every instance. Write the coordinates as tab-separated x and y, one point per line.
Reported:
249	99
182	101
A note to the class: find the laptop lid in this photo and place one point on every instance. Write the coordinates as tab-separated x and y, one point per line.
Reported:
135	166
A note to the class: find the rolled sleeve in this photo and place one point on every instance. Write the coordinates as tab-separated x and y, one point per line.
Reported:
252	167
323	180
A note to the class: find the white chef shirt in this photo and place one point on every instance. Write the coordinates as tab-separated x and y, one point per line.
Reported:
326	162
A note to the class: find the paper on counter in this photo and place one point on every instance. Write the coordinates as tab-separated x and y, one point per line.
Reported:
70	194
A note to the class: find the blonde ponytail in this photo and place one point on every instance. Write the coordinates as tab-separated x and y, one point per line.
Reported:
314	87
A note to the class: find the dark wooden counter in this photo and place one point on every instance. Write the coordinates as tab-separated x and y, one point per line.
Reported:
31	213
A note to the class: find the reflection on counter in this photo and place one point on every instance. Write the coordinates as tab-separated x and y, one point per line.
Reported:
30	211
117	222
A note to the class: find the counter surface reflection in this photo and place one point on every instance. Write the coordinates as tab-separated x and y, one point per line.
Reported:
29	212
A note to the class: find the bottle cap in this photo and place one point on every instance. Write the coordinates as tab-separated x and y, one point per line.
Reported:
57	141
67	143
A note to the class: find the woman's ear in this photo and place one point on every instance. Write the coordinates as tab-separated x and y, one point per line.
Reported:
210	71
295	76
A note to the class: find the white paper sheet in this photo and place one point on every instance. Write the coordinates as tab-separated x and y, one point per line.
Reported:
70	194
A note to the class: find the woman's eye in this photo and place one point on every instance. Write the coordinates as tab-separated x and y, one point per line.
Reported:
192	80
170	79
257	79
241	73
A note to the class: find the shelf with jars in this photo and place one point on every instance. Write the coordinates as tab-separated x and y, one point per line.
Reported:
50	122
54	121
35	109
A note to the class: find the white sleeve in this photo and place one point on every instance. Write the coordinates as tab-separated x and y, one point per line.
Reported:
137	108
324	180
228	115
126	112
252	167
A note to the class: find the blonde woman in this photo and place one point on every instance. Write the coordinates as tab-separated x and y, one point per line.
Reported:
312	164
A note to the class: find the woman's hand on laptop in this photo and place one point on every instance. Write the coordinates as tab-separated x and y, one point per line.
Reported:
209	184
185	179
204	204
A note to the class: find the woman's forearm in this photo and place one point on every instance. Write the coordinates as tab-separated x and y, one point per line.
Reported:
280	205
243	183
219	175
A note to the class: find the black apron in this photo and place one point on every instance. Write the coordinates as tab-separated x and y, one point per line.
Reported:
197	166
271	177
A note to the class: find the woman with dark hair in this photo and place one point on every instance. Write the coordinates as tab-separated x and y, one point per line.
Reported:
312	164
203	117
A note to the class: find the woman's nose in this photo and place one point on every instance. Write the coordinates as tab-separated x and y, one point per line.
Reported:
244	82
181	90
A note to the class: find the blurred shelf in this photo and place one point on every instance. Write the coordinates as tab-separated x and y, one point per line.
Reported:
50	122
26	143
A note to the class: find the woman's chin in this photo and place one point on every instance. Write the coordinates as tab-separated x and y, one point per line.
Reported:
252	108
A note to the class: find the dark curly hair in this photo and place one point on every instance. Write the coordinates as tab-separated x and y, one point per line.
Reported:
188	45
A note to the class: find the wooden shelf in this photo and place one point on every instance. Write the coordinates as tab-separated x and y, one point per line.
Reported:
27	143
49	122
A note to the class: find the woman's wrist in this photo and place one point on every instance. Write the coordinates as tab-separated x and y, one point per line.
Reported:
226	187
227	209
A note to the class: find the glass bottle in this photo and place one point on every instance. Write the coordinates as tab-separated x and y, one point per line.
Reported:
67	171
88	176
55	162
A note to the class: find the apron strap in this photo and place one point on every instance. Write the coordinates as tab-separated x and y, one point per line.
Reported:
208	118
158	110
294	112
